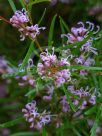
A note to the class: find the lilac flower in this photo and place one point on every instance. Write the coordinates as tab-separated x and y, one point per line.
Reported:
87	47
92	100
80	60
37	120
89	62
30	31
85	96
64	104
81	32
20	18
50	68
83	73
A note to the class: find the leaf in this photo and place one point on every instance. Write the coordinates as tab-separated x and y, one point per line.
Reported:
30	50
62	30
51	31
22	3
12	123
98	116
12	75
64	23
38	1
12	5
84	67
68	98
25	134
31	92
91	110
42	17
44	132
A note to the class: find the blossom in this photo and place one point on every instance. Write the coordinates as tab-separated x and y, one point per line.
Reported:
50	67
85	96
87	47
20	18
64	104
80	33
36	119
30	31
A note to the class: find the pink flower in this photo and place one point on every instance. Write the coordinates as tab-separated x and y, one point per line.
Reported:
19	18
51	68
37	120
80	33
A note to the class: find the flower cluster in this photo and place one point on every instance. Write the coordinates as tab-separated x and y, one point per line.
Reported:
51	68
80	33
36	119
20	20
85	98
86	49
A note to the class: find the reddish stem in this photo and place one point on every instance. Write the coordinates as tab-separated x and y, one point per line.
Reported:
2	18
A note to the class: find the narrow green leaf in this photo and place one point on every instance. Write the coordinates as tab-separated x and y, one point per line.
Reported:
62	30
38	1
12	75
64	24
84	67
12	5
44	132
51	31
31	92
12	123
22	3
42	17
91	110
29	53
25	134
98	116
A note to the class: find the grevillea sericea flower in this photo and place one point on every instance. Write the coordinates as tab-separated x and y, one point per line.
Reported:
36	119
50	67
20	20
80	33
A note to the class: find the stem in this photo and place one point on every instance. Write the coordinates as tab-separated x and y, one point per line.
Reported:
2	18
37	43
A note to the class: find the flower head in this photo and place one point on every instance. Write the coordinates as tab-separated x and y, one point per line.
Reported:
19	18
51	68
37	120
80	33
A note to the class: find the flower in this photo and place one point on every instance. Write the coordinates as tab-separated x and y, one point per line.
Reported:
51	68
64	104
80	33
87	47
20	18
37	120
30	31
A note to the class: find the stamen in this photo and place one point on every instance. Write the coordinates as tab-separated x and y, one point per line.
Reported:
81	23
98	29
